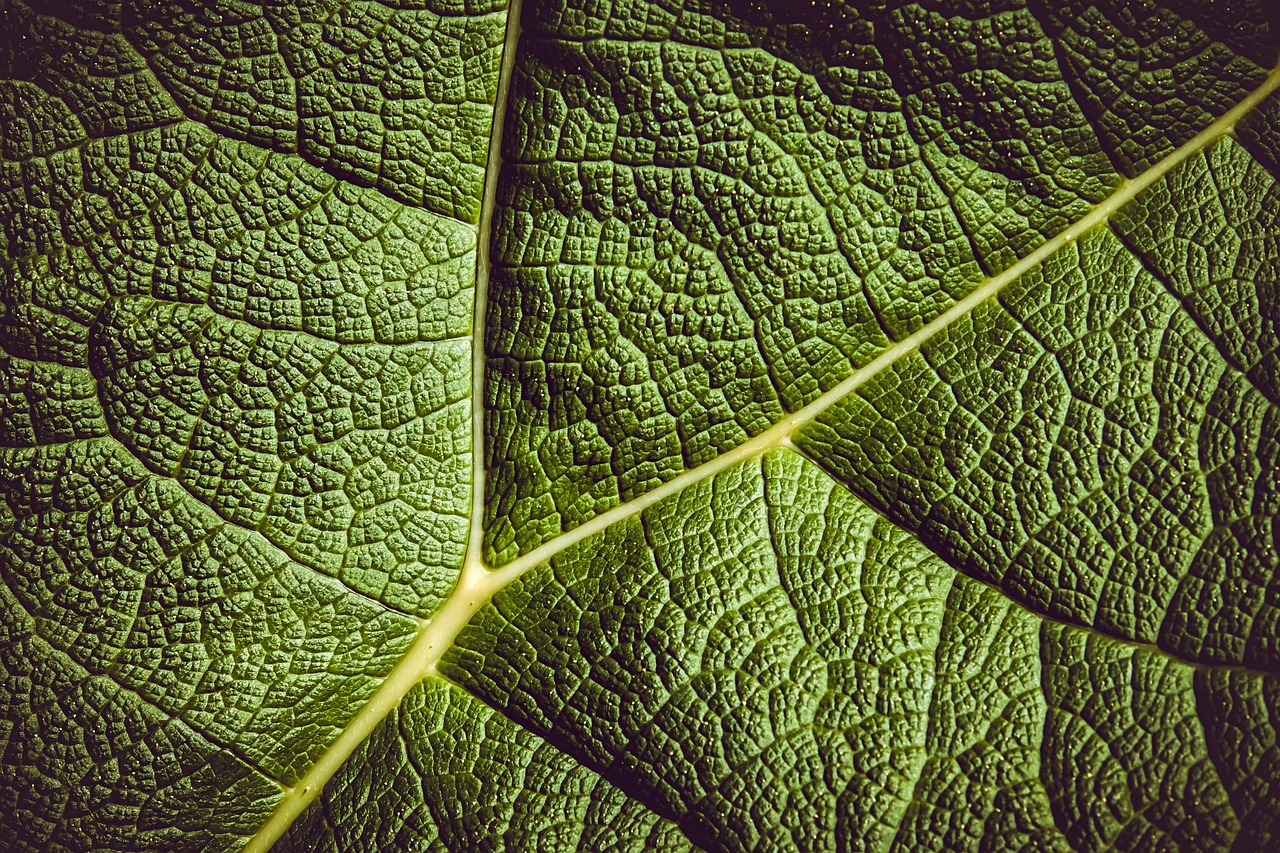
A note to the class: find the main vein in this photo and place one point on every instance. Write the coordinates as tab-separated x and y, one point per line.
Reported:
475	585
478	584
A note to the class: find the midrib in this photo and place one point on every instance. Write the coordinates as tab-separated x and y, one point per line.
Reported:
477	583
474	582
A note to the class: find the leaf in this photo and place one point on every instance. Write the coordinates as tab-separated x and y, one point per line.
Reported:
845	426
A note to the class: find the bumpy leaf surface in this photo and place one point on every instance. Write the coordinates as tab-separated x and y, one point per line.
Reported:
639	425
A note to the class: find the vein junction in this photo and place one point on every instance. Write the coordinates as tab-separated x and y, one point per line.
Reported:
478	583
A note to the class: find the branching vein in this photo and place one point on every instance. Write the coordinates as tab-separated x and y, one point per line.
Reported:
478	584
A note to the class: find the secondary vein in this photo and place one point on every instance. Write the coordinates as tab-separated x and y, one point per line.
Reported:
478	584
474	583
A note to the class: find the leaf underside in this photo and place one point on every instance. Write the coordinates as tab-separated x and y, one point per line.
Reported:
879	425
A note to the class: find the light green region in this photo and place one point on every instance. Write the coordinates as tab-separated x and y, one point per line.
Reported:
771	664
287	347
702	237
395	95
235	431
123	574
725	658
457	775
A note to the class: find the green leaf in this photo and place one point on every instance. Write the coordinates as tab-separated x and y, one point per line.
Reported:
788	427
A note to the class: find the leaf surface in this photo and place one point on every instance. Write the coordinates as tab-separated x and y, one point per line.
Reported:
841	426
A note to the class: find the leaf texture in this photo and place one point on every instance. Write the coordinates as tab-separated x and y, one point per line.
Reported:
639	425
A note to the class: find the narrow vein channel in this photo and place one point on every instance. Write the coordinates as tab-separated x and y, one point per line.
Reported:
477	584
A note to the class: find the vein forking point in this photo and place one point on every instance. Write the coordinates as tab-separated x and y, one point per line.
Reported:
478	584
